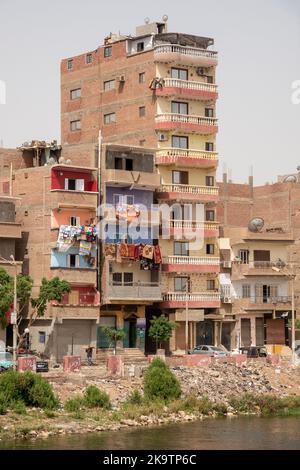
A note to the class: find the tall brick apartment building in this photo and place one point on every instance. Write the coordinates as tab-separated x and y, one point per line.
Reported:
156	91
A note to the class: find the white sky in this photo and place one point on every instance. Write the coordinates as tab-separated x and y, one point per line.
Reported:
259	48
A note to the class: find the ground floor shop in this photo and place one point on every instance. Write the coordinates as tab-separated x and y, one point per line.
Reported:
262	328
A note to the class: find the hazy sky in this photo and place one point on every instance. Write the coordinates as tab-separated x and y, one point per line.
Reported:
259	49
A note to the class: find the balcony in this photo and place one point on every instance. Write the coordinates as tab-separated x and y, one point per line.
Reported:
10	268
193	300
185	55
188	89
61	198
194	264
10	230
80	276
75	312
256	268
263	303
186	123
180	227
188	192
187	158
137	292
139	179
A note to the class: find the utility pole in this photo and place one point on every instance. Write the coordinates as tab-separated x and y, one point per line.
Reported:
15	316
293	320
186	317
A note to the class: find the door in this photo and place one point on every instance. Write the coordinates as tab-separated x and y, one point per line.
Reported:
205	333
102	340
245	332
130	333
275	331
259	331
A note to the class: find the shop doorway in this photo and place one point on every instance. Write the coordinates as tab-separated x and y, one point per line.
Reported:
130	332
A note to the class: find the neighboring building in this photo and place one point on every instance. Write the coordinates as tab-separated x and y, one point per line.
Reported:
259	256
158	90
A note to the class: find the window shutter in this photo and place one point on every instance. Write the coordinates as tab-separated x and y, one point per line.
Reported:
80	185
66	183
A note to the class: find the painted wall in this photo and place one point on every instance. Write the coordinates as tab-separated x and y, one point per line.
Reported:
59	260
196	142
63	217
282	286
196	176
164	70
140	196
58	179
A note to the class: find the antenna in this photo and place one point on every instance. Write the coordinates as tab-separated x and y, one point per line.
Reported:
165	18
147	20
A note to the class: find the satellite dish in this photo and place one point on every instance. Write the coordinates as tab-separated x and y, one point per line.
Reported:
51	161
290	179
165	18
68	162
147	20
256	224
61	160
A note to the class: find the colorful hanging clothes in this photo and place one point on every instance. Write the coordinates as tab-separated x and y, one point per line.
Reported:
110	252
124	250
131	251
157	255
85	248
148	252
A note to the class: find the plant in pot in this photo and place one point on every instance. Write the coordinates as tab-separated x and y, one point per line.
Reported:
113	336
161	329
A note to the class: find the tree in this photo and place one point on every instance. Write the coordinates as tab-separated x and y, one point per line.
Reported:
50	290
161	329
113	336
297	323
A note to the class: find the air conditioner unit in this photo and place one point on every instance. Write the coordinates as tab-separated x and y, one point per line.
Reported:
226	264
163	137
227	300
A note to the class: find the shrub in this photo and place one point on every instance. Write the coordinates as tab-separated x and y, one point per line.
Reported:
95	398
157	362
3	403
160	383
19	407
73	404
29	388
135	398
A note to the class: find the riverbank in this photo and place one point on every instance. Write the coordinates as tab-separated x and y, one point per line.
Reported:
221	390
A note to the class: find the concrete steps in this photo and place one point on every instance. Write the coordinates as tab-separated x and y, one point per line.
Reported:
130	355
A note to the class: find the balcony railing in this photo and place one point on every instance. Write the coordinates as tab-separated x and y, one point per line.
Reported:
193	260
172	155
190	85
282	299
191	297
185	50
189	224
189	189
134	291
186	119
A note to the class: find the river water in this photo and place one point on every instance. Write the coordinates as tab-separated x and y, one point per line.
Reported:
224	433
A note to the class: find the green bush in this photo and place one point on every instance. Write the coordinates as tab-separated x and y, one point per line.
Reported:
29	388
3	403
157	362
74	404
135	398
96	398
19	407
160	383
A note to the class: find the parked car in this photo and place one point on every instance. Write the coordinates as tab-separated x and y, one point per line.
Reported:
207	350
6	361
255	351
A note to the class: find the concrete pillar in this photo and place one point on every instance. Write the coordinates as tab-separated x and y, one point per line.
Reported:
253	331
173	337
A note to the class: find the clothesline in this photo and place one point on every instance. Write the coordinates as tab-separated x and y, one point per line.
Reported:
149	256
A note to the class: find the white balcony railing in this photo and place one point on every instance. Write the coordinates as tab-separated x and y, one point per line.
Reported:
186	119
188	189
185	50
192	297
173	154
190	85
189	224
193	260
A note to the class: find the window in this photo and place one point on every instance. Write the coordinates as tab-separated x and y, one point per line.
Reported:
75	125
244	256
142	111
122	279
118	163
210	215
75	221
181	248
182	211
74	184
42	337
109	118
142	77
179	108
70	64
209	112
73	261
209	146
181	74
246	291
210	249
109	85
74	94
180	142
209	180
128	164
117	279
209	79
140	46
211	284
89	58
108	51
180	177
120	199
128	279
181	284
